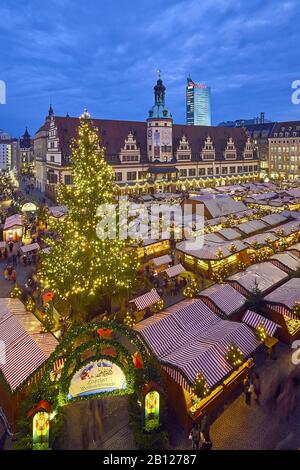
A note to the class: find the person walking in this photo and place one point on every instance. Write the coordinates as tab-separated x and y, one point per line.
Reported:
257	387
248	389
205	432
195	436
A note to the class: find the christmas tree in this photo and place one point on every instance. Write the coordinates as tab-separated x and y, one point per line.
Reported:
234	355
82	270
6	188
200	387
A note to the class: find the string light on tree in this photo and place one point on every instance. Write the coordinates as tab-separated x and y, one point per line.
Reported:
200	387
234	355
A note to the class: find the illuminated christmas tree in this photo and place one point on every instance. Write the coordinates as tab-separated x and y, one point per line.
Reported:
261	332
200	387
234	355
192	290
84	271
6	188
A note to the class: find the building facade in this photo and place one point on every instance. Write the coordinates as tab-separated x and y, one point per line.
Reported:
284	150
198	104
26	160
40	146
152	156
9	150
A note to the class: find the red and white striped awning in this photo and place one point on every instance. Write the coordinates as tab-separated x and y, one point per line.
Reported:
26	348
225	297
165	259
253	319
146	300
175	270
189	339
13	221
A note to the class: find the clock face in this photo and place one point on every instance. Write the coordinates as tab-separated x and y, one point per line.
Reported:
149	133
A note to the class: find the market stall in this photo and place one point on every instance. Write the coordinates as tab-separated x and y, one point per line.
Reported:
286	261
191	343
262	276
283	307
26	352
13	228
149	303
224	300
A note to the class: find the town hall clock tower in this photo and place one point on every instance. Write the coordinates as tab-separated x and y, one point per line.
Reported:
159	127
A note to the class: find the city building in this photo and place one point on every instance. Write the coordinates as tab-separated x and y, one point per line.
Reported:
198	104
152	156
246	122
9	149
40	144
26	160
284	150
259	130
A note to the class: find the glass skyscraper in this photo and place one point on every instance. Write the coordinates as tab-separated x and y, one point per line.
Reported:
198	104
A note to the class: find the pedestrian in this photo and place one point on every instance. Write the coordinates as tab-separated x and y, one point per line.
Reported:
248	389
205	432
257	387
13	276
195	436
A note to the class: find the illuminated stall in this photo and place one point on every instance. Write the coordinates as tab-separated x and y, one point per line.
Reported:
224	300
150	248
213	257
27	350
13	228
193	347
283	307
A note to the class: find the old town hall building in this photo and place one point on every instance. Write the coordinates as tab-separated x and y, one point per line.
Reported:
152	156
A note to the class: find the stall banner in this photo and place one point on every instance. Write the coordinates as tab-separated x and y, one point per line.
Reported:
97	377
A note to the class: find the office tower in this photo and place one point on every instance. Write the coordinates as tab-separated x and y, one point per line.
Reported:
198	104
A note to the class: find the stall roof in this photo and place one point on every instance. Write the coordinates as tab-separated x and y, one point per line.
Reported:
251	226
288	294
58	211
189	338
15	220
230	234
175	270
219	207
295	248
160	260
26	347
253	319
210	251
288	228
225	297
260	238
274	219
287	259
146	300
262	275
31	247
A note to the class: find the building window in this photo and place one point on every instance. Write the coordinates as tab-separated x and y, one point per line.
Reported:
192	172
52	158
210	171
232	169
52	177
182	173
224	170
202	172
68	179
131	175
217	170
119	176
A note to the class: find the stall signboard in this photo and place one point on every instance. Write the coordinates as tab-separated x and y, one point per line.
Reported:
97	377
40	434
152	400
